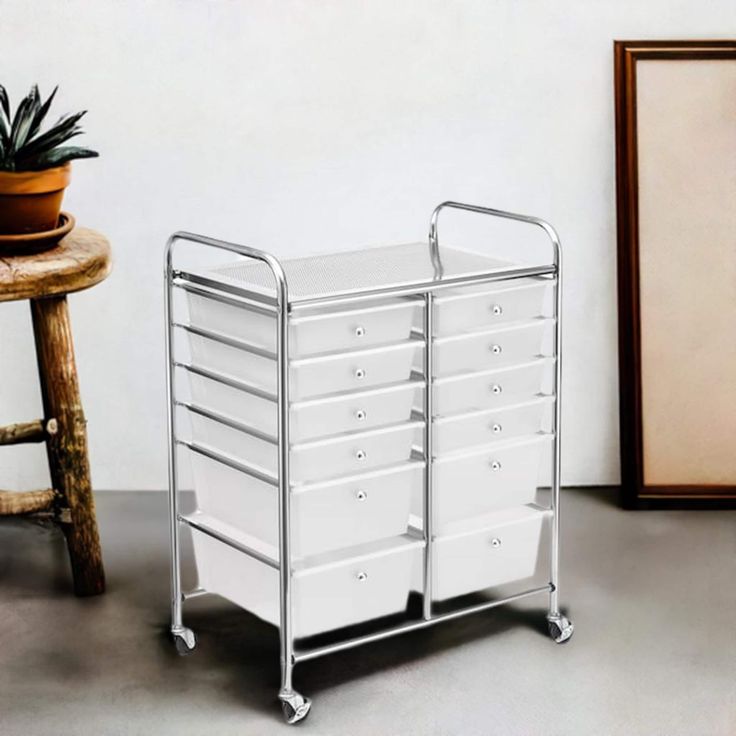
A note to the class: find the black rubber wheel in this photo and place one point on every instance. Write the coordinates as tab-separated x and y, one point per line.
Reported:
181	646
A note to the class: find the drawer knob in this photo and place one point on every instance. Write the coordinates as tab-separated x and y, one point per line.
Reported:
360	415
495	465
496	389
496	349
360	455
495	542
362	576
360	373
359	331
361	495
496	428
497	309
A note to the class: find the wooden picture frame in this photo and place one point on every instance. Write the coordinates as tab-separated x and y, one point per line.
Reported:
676	210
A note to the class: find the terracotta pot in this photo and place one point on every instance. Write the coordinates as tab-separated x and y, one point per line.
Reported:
30	201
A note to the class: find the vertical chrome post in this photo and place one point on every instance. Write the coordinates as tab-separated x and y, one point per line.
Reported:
554	611
282	407
428	506
177	627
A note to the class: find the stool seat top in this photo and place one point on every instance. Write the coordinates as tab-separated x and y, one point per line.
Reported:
80	260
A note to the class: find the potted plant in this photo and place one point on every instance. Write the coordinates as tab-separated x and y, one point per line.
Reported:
34	165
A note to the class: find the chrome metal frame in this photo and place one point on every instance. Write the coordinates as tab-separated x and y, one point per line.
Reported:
295	705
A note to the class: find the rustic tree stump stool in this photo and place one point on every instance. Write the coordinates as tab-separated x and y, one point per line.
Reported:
80	260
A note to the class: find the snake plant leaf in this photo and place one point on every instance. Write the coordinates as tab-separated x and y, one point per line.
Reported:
4	103
41	113
61	155
4	133
23	120
65	128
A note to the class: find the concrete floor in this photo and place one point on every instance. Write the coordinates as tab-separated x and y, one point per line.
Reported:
652	595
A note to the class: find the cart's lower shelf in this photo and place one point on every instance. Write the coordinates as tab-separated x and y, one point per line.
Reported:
337	589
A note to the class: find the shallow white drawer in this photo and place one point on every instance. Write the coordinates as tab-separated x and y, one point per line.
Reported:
461	431
324	516
469	484
351	411
309	377
489	389
476	351
472	307
321	330
500	548
328	592
345	454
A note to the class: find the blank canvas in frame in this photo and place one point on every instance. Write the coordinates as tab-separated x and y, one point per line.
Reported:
676	181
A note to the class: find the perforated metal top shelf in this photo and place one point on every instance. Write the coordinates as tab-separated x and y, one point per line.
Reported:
363	274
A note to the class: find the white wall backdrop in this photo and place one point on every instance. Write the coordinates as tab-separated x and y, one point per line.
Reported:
316	125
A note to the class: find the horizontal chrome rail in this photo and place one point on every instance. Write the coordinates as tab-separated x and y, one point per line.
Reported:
251	470
307	654
187	595
227	421
369	294
229	541
225	380
232	342
215	294
264	300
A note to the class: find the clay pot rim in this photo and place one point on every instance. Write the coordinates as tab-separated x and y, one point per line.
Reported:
35	182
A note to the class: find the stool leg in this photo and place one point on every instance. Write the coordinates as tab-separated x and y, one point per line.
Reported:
67	450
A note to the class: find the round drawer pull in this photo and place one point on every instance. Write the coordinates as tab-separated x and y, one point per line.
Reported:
496	349
495	542
360	415
360	373
496	389
495	465
362	576
360	455
496	428
497	309
359	331
361	495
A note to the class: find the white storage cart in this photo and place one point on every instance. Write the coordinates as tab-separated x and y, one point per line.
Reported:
364	425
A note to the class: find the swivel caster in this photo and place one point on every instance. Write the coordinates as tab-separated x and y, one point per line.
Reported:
560	628
295	706
184	640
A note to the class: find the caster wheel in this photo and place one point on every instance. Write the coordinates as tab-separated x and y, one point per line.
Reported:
560	629
185	641
295	706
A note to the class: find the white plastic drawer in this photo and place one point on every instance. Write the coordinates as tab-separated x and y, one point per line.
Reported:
319	331
500	548
477	351
351	411
473	307
488	389
461	431
470	484
310	377
345	454
328	591
324	516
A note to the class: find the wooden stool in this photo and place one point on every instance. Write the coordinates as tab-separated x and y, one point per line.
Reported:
80	260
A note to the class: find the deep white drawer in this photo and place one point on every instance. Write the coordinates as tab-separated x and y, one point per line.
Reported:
461	431
313	418
310	377
470	484
473	307
489	389
500	548
488	349
324	516
345	454
320	331
328	591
